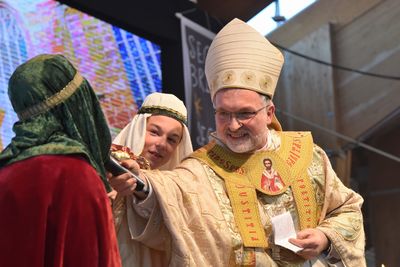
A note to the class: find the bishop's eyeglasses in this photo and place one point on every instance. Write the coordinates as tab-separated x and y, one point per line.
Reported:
241	117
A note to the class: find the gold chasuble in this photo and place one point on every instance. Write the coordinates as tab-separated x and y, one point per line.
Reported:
269	172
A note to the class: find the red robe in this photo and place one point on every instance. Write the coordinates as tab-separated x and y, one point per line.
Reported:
54	211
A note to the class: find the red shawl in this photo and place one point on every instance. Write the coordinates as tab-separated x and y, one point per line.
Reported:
54	211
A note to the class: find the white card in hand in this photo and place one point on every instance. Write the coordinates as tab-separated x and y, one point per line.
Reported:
283	230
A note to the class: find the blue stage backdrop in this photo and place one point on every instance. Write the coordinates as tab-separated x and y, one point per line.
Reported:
122	67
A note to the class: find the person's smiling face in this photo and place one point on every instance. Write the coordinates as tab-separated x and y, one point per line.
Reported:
241	120
163	135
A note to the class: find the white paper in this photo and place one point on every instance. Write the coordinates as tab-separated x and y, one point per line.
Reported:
283	230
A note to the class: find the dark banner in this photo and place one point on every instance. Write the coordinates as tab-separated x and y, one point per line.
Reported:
195	43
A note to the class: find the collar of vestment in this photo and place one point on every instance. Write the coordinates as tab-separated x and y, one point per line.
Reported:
246	173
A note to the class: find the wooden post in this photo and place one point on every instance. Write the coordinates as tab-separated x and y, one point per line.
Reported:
343	166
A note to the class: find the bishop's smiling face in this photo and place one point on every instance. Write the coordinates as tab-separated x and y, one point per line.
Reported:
245	135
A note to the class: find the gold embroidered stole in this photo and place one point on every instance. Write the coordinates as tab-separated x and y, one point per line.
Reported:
269	172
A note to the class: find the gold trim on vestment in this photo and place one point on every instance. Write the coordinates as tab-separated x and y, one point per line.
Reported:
298	147
242	174
53	100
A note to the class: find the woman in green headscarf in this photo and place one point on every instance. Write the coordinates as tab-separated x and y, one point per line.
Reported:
54	210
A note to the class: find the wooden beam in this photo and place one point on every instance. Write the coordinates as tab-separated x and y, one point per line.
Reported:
343	166
337	12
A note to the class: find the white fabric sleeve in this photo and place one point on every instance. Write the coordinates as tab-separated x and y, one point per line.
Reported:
145	206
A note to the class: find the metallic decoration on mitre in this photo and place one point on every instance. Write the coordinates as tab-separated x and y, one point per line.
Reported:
240	57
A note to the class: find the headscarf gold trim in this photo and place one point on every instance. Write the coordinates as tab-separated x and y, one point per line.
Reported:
53	100
161	110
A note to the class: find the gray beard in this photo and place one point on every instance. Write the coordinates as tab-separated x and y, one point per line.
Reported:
248	145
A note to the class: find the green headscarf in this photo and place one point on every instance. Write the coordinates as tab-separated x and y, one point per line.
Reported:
68	125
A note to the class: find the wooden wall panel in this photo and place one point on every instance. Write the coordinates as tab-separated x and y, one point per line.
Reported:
365	35
384	197
336	12
306	88
370	43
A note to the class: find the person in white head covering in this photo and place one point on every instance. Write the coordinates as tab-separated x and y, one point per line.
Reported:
158	134
213	207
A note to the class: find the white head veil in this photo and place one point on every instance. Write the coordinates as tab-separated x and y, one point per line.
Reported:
133	135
